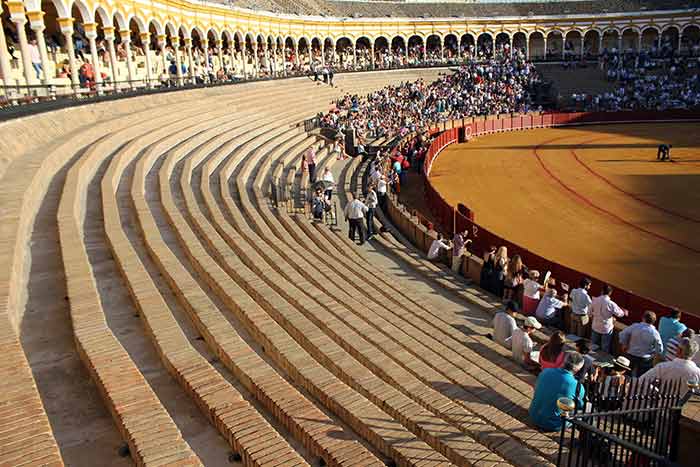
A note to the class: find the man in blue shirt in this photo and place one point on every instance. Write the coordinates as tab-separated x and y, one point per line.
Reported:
671	326
552	384
642	342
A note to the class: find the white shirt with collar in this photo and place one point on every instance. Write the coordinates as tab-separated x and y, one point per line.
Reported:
580	302
434	249
603	312
677	369
355	209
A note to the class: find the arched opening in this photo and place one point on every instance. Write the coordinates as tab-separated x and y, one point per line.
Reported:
573	45
467	46
650	39
484	45
536	46
611	42
343	53
433	47
555	45
316	51
398	51
328	49
303	46
690	40
591	43
198	56
249	54
670	40
382	55
520	43
212	57
158	65
630	40
416	50
363	50
290	54
451	48
503	44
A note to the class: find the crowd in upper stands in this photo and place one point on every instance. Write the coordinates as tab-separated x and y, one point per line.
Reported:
654	79
477	88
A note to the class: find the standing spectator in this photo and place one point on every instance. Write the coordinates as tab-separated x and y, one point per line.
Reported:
35	57
549	309
381	192
553	384
311	162
583	346
522	345
318	205
458	244
371	202
504	324
436	246
355	212
671	326
682	368
328	178
487	269
671	347
642	342
552	353
531	293
500	268
580	308
514	279
603	314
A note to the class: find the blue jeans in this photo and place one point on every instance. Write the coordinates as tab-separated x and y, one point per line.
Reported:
370	221
604	341
38	69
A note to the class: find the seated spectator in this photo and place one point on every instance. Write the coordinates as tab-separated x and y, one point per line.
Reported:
641	343
436	246
583	346
552	353
531	293
553	384
580	305
504	324
549	309
682	368
522	345
318	205
610	379
671	347
671	326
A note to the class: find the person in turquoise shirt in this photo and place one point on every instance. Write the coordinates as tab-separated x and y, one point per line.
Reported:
671	326
552	384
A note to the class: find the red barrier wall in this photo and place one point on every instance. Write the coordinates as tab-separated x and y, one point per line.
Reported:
482	238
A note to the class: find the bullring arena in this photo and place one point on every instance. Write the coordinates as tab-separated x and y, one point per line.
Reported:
594	198
170	296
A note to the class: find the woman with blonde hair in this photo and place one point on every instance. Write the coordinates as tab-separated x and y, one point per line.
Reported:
500	268
514	278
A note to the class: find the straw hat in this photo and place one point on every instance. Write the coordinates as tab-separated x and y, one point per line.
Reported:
622	362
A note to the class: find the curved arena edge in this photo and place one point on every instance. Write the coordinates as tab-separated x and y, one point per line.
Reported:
464	218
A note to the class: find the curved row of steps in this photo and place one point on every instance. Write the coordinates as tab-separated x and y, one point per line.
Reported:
289	343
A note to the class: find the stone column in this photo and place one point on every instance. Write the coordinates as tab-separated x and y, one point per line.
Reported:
619	44
190	68
639	42
493	48
220	49
109	38
354	57
146	42
126	40
162	43
405	43
66	25
5	69
545	48
91	33
442	50
527	47
256	60
36	22
244	54
205	47
372	57
563	46
600	44
19	19
175	41
583	47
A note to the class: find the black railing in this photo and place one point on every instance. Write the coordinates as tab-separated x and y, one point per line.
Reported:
637	425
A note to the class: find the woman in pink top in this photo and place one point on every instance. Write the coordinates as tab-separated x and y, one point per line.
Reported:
552	353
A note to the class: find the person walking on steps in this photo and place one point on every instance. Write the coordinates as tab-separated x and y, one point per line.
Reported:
355	212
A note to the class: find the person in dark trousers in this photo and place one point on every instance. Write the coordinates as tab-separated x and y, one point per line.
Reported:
330	76
372	202
664	152
355	212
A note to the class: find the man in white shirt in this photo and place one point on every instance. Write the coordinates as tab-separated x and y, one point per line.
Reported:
311	163
549	309
603	313
354	213
35	56
682	368
521	342
580	304
381	192
504	325
371	201
642	342
434	250
328	177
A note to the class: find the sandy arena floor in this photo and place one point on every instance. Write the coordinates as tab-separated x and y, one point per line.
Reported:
593	198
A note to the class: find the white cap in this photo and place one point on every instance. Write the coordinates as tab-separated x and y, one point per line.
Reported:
531	322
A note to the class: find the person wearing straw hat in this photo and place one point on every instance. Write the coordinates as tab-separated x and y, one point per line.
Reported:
522	345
